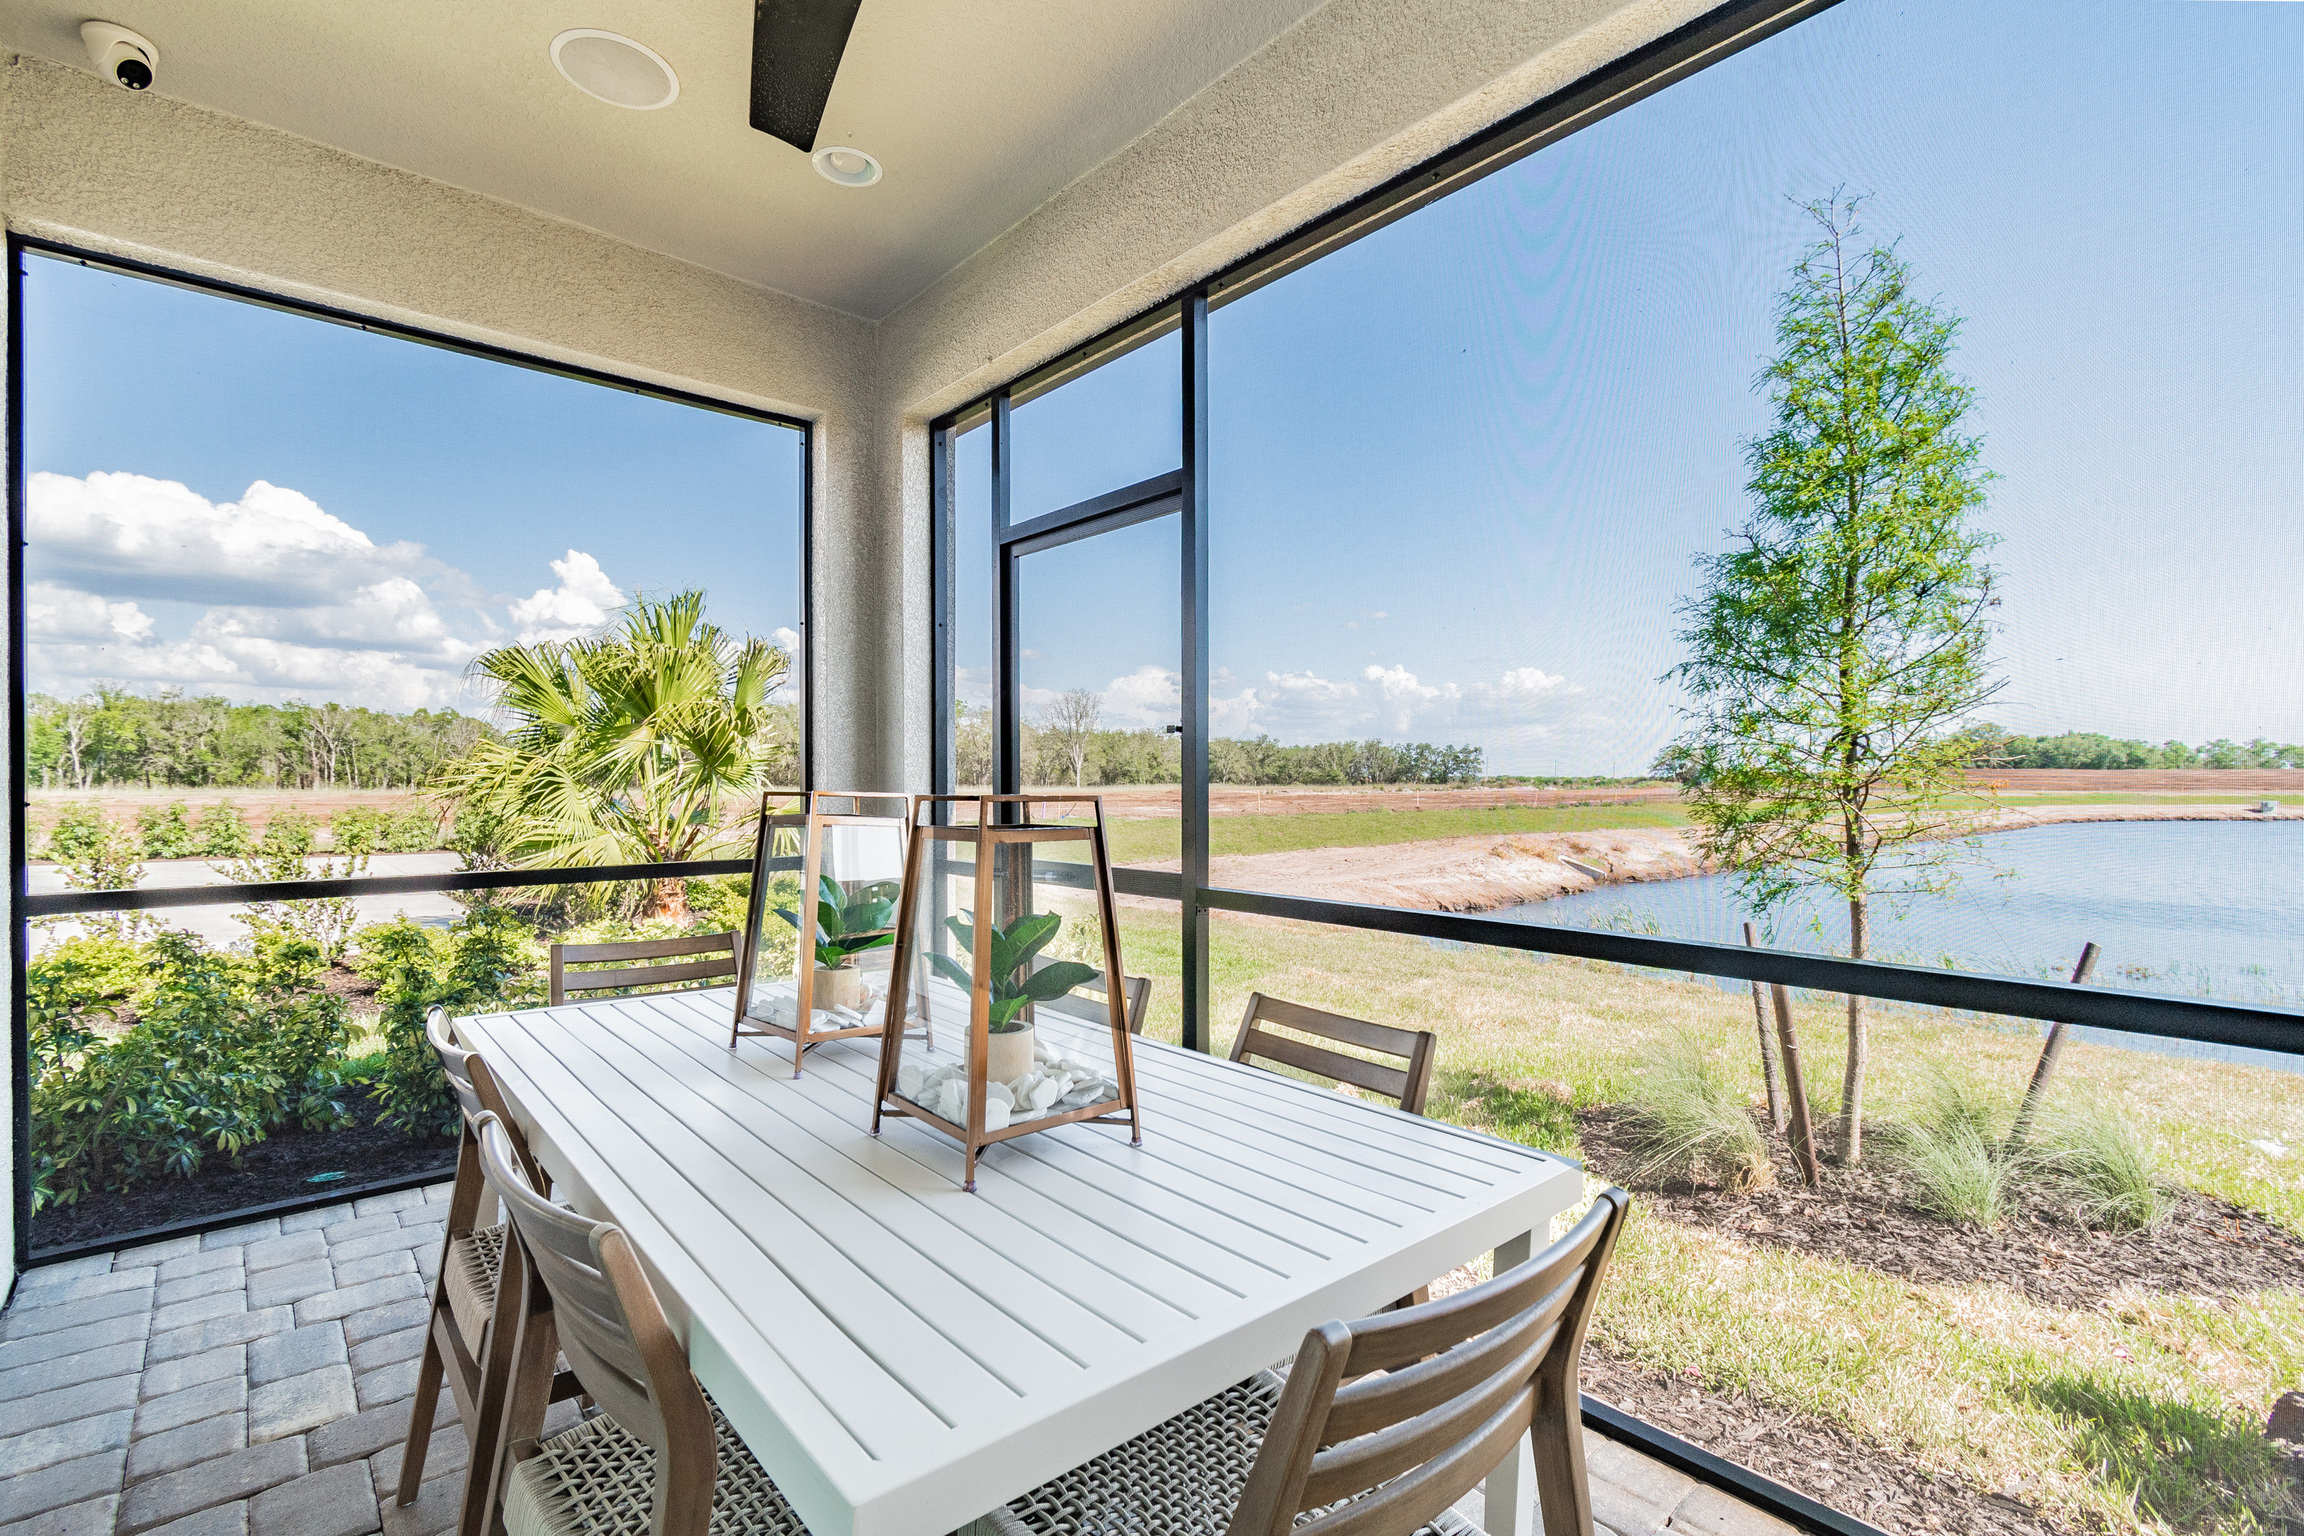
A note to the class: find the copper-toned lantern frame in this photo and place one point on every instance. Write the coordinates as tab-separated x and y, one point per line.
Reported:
812	820
988	835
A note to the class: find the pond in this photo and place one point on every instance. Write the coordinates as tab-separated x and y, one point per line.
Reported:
2198	908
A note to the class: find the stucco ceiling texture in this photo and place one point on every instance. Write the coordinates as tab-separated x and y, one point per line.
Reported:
979	113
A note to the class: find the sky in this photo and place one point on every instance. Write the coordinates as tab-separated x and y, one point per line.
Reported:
1462	467
235	500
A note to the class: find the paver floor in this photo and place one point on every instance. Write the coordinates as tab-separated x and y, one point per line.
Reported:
255	1381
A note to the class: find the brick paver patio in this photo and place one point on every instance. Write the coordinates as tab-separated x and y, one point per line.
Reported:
247	1382
255	1382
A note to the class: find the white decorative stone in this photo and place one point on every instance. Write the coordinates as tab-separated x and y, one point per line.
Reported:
995	1115
908	1078
1000	1094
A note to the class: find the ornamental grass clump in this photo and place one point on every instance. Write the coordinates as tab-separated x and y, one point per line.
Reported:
1690	1120
1951	1154
2092	1160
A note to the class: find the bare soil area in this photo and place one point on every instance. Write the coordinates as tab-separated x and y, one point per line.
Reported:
280	1167
1890	1488
2206	1247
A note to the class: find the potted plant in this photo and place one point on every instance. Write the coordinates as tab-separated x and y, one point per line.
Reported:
1015	984
845	928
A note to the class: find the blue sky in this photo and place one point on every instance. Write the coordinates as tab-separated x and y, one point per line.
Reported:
1461	466
422	503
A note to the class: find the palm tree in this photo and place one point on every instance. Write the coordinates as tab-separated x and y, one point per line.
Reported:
622	747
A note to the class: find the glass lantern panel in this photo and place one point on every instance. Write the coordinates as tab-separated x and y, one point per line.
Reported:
859	876
1047	1046
775	997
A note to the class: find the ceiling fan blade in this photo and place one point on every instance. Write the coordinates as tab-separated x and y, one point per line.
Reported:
796	48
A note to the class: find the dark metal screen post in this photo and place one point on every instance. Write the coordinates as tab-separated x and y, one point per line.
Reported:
1007	720
19	937
1194	666
943	539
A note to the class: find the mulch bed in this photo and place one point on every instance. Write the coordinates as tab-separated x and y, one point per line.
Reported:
2207	1247
275	1169
1815	1457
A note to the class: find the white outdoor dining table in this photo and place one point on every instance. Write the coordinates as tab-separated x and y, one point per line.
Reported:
903	1356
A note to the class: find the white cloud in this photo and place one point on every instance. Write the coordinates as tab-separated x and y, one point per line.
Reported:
1149	697
581	603
1386	701
133	536
297	602
53	612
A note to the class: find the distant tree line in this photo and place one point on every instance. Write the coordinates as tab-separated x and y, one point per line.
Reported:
111	736
1066	746
1996	748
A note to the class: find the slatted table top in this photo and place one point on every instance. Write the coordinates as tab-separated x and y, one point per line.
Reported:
903	1356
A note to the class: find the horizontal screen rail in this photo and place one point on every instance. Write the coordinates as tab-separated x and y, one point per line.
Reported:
72	903
2134	1013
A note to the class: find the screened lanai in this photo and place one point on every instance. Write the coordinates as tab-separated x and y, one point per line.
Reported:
1573	621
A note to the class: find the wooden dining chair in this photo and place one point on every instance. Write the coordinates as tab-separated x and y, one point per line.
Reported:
1381	1424
1135	994
1408	1083
720	947
458	1336
659	1457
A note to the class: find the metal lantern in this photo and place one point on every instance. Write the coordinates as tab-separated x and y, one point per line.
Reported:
1006	921
850	869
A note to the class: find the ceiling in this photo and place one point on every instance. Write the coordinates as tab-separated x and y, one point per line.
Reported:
979	112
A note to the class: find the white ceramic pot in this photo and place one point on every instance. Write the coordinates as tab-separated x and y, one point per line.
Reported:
843	988
1009	1055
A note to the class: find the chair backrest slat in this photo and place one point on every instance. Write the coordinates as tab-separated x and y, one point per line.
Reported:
1377	1457
1135	998
593	1329
650	975
1414	1501
1409	1083
646	949
1387	1421
721	946
1385	1397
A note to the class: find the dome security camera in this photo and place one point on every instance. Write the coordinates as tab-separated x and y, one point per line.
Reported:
127	59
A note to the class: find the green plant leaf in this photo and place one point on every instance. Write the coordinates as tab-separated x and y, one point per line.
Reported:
789	916
1004	1011
828	919
950	970
1035	938
1054	980
866	915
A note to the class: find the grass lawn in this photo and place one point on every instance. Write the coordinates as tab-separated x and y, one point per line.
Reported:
1142	841
2144	1413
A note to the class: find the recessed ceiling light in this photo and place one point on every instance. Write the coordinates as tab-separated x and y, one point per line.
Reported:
845	167
615	69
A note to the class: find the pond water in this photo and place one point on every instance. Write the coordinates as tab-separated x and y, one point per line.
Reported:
2199	908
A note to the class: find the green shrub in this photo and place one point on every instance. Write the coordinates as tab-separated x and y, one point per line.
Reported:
222	832
485	961
78	831
356	829
166	831
227	1050
411	831
1690	1119
290	833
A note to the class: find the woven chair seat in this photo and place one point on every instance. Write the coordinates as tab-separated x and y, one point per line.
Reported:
475	1263
1181	1478
598	1480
